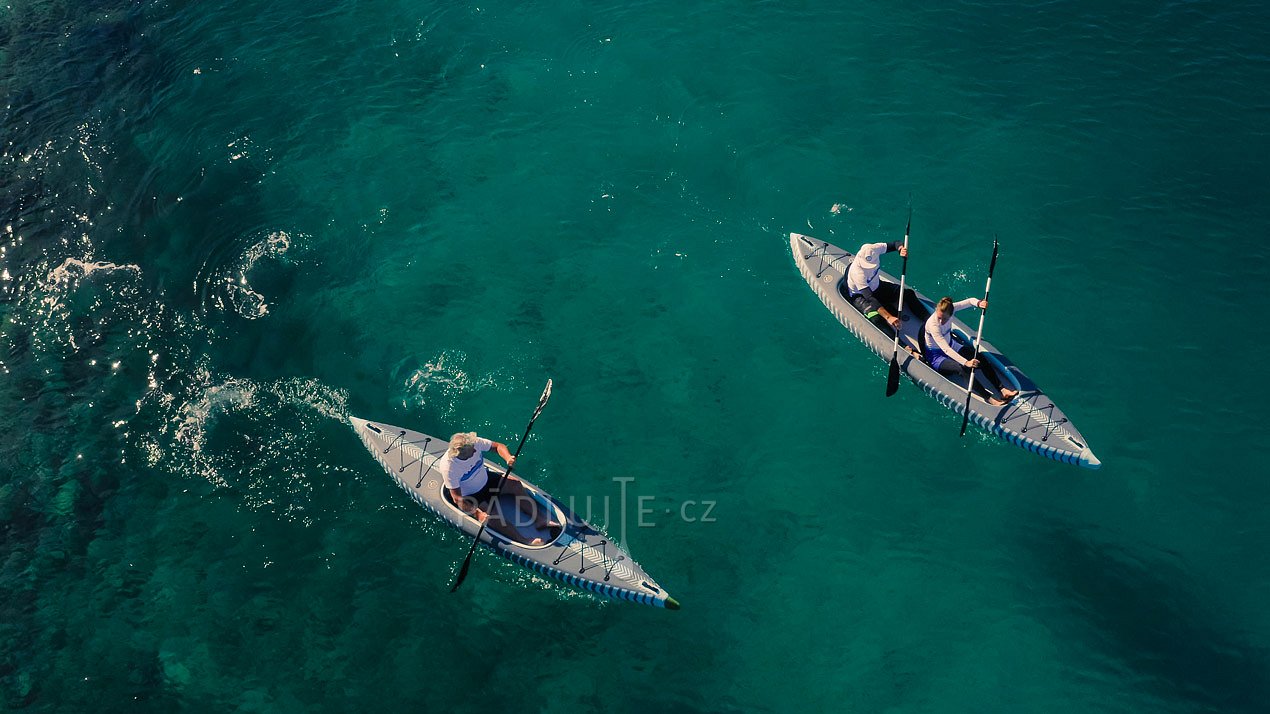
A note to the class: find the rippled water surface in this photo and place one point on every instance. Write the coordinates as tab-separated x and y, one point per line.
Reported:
227	226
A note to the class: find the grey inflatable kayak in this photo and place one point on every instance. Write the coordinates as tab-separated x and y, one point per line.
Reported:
1031	420
579	555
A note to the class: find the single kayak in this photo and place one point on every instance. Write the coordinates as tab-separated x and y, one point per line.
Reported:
578	554
1031	420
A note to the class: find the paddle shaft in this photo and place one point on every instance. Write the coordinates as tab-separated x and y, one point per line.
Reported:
893	371
987	288
481	531
899	315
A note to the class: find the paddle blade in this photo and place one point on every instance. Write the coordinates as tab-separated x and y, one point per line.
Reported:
965	417
542	401
468	560
893	377
462	572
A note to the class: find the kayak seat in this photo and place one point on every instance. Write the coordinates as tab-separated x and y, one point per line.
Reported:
846	295
910	298
989	362
507	509
920	312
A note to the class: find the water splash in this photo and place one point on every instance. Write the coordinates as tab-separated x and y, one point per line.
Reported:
236	293
51	304
263	439
439	382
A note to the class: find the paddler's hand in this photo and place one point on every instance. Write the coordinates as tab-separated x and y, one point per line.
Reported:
903	251
511	462
503	453
983	304
972	364
894	322
480	516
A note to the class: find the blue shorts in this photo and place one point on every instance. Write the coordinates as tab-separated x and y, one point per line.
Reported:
935	356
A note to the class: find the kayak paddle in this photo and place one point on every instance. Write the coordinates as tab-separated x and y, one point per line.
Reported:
893	376
542	402
965	417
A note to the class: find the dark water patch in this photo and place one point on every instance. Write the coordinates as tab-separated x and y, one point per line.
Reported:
528	318
1146	612
81	62
19	196
199	233
21	520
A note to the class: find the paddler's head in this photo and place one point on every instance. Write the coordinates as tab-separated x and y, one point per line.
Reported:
944	309
463	445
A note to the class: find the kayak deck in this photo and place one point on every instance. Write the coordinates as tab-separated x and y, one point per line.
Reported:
1031	420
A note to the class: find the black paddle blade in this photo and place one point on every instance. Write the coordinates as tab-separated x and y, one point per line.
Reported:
468	560
893	377
462	574
965	418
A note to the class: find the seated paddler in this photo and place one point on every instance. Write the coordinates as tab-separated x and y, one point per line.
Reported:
875	298
947	355
474	489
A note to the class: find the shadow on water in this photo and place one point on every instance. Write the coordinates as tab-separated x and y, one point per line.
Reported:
1148	613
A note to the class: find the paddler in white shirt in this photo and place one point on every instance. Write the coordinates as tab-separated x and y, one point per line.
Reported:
473	489
875	299
947	355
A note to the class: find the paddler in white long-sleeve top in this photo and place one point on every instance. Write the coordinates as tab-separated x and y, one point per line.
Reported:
474	491
875	299
945	354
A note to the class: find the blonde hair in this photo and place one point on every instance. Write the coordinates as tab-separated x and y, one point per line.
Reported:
461	441
945	304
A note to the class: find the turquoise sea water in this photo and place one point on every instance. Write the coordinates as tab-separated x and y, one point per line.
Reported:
227	226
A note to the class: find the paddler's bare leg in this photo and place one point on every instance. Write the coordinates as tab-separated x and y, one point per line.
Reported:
498	522
989	373
948	366
494	517
526	503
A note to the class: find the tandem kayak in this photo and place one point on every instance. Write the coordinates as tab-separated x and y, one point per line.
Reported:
578	555
1031	420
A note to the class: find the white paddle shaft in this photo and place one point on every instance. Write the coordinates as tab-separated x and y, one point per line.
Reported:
987	288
